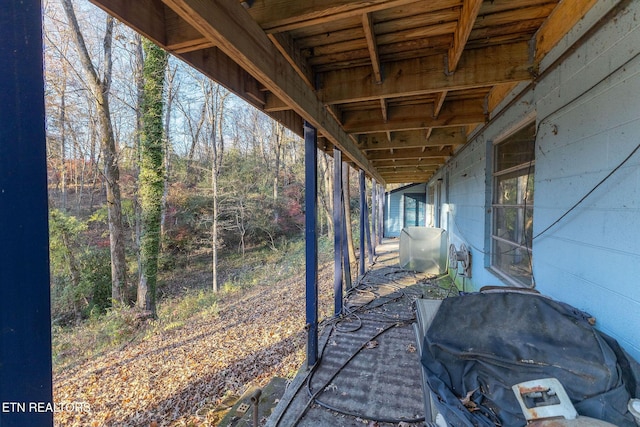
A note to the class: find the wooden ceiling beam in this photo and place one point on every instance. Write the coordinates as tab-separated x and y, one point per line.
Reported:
414	117
287	47
229	26
385	34
468	15
388	52
276	16
497	94
367	25
440	97
181	36
564	17
273	103
410	153
409	169
421	162
397	178
412	139
481	67
148	17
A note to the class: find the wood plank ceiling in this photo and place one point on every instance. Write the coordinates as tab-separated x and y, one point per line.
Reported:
396	85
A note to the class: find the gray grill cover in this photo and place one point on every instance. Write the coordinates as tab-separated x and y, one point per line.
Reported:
482	344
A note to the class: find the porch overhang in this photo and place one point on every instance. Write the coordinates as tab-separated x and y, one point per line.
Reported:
396	85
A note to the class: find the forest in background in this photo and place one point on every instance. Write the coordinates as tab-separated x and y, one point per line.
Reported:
232	178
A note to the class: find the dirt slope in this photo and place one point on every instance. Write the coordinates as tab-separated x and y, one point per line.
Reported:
176	378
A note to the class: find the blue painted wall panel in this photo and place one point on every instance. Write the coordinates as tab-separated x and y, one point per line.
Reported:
587	111
394	208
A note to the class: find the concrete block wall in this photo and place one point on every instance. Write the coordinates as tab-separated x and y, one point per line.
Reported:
587	113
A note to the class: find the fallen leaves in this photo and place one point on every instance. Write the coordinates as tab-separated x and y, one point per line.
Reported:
177	377
468	403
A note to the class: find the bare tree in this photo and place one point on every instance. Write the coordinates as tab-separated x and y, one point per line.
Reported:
325	190
100	86
216	112
173	86
346	194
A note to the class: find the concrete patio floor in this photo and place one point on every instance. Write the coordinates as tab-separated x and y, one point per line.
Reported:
369	369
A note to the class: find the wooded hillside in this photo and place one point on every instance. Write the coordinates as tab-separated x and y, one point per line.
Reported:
176	229
231	178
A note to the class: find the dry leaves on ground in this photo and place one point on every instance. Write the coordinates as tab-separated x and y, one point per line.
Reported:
173	377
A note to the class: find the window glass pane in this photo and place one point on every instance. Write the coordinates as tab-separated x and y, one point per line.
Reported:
512	188
513	261
513	205
517	150
514	224
506	224
528	228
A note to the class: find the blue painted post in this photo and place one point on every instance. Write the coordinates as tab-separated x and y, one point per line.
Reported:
346	222
380	224
346	262
311	239
25	318
363	212
374	211
338	228
367	228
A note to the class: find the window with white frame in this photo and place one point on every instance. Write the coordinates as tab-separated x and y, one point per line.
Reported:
513	185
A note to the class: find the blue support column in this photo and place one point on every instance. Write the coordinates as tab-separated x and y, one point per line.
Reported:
363	212
346	264
311	239
374	211
380	224
367	228
25	318
346	222
338	231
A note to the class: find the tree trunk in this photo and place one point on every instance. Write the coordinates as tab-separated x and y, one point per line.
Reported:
151	173
346	192
325	192
171	94
63	145
278	148
100	90
216	118
139	76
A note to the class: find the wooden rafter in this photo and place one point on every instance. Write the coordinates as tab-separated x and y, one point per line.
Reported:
419	162
367	24
468	14
561	20
398	178
273	103
409	153
284	15
438	104
408	169
415	117
368	74
477	68
287	47
412	139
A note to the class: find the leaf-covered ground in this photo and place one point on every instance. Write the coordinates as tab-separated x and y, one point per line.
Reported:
176	377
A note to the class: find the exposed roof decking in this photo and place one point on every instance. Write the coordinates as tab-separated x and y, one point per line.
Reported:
358	67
